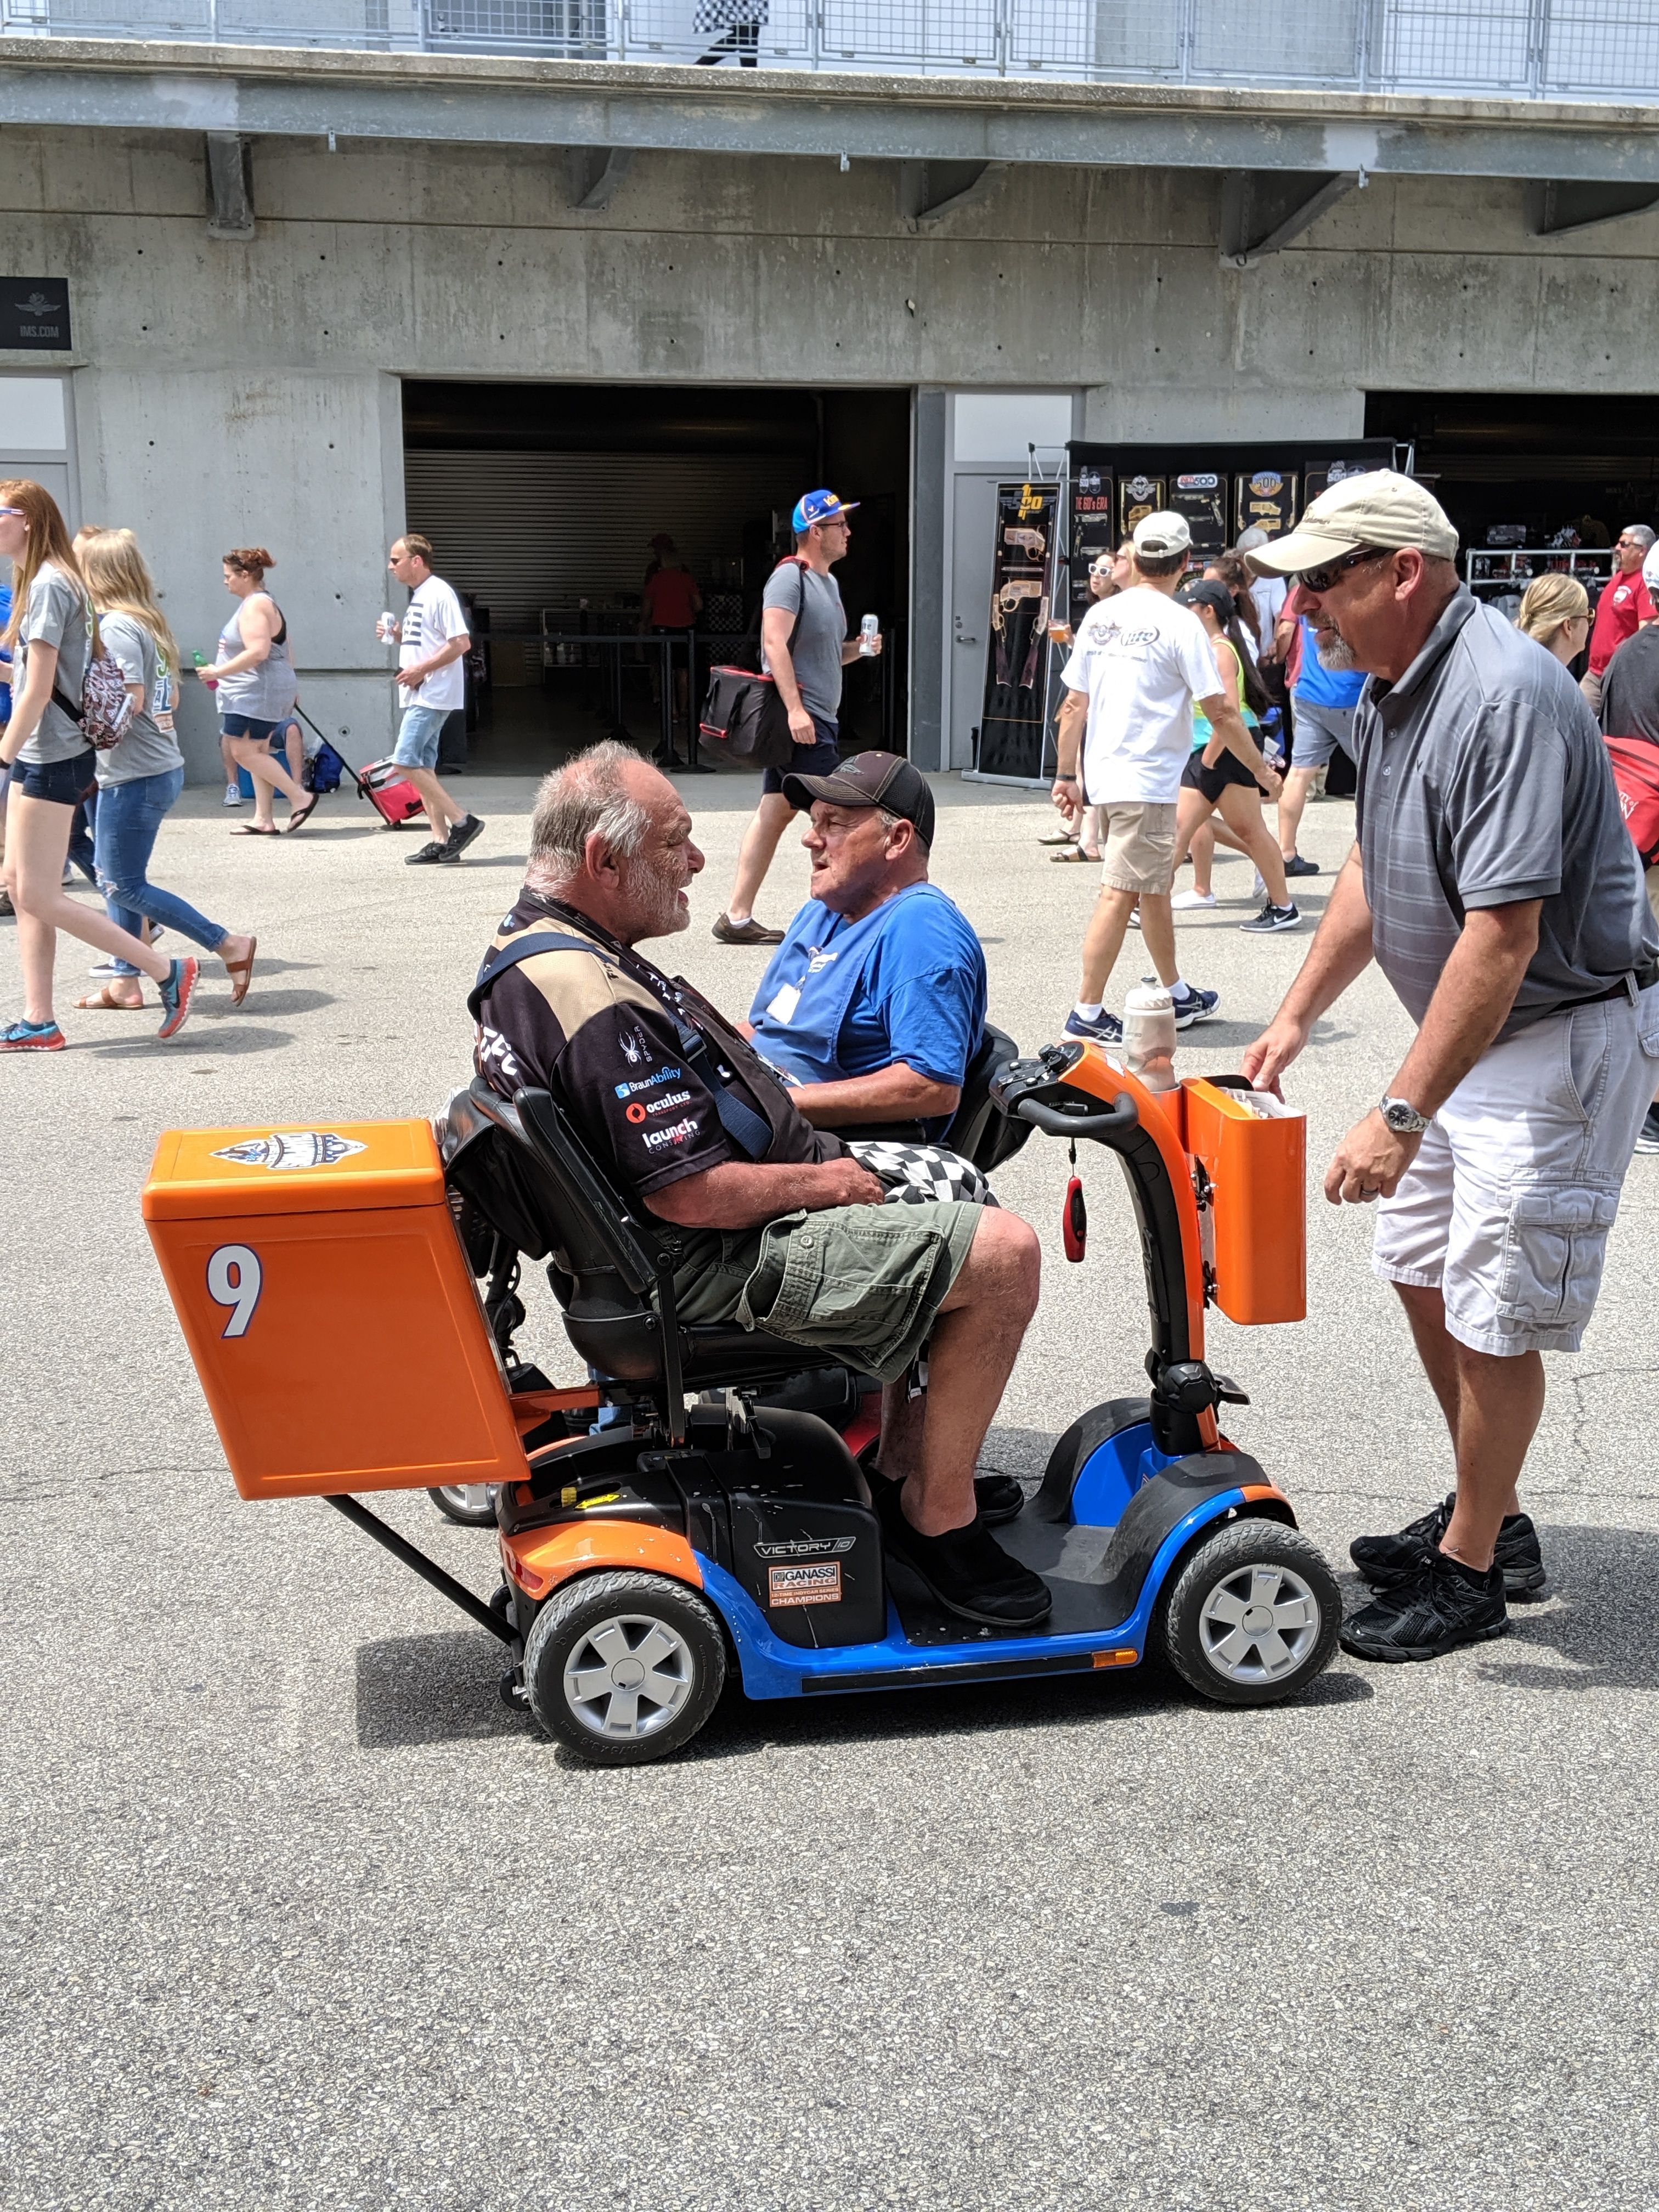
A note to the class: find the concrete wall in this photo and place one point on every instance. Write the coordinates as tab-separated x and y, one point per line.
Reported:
229	391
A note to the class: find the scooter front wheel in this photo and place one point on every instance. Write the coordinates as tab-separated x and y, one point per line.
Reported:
1253	1615
624	1668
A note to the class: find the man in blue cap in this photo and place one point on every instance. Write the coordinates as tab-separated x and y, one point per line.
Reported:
804	648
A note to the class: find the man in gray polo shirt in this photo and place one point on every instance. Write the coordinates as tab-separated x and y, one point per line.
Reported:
1495	884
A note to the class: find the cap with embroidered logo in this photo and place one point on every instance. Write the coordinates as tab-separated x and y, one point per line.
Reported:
818	507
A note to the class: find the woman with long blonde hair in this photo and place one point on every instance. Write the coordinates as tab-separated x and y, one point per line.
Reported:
53	634
1555	611
139	781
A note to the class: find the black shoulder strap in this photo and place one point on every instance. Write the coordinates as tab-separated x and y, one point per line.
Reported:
749	1131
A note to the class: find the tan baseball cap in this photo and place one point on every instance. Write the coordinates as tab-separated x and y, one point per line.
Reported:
1380	508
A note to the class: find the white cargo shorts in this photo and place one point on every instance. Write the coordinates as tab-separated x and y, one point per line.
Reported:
1506	1210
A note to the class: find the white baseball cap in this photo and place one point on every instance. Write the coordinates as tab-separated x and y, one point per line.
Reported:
1160	537
1650	572
1381	508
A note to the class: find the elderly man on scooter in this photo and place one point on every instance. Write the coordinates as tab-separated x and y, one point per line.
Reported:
874	1004
780	1228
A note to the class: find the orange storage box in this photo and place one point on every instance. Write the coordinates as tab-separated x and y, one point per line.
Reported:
1255	1229
328	1308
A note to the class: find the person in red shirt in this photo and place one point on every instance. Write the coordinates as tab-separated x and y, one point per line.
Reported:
670	601
1623	607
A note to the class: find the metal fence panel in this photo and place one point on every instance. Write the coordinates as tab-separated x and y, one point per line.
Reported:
1585	49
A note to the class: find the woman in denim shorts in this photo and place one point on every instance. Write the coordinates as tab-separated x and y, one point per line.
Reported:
52	634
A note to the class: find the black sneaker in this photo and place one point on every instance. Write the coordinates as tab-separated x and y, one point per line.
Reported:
1271	918
429	856
1386	1560
966	1569
1647	1139
998	1497
1192	1005
1430	1612
461	837
1296	866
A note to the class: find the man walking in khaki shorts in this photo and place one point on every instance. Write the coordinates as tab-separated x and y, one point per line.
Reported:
1140	665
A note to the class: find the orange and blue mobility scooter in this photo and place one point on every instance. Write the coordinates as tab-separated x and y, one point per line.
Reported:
702	1511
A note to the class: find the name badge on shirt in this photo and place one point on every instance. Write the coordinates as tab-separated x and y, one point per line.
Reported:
783	1005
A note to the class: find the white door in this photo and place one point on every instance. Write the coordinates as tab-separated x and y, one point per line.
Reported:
972	551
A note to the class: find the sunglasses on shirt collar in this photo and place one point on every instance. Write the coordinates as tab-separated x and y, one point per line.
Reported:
1320	580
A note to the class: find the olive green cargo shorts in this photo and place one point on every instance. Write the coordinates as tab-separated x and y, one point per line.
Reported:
864	1282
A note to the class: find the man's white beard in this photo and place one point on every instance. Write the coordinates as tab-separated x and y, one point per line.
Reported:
1333	652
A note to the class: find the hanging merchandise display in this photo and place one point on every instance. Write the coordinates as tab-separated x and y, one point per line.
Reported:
1265	499
1138	496
1200	496
1019	661
1093	532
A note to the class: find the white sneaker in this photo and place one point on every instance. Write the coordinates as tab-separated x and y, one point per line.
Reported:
1257	889
232	794
1184	901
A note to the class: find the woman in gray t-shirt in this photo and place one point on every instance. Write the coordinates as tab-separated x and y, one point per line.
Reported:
253	676
139	781
52	634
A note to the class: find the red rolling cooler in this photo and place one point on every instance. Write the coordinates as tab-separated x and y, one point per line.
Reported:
389	792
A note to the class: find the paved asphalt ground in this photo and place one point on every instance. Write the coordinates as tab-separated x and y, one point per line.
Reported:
295	1914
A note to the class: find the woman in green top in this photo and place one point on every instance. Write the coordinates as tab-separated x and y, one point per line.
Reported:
1229	786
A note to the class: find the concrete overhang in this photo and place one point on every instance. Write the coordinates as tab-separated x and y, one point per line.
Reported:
102	84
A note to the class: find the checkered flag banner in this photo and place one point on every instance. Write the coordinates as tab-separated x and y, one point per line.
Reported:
923	1174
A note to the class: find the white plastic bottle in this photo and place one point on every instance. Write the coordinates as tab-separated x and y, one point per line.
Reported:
869	631
1148	1034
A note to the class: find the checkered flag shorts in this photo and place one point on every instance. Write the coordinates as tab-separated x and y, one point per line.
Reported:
923	1174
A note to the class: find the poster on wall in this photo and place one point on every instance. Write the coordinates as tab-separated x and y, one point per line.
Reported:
1320	475
1093	531
1201	498
1266	500
1138	496
1019	658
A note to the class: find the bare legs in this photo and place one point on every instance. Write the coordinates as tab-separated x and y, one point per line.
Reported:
442	811
931	1443
1493	1408
1103	939
1292	799
760	842
36	843
270	776
1241	809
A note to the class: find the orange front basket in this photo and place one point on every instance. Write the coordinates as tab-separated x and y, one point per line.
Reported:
1254	1233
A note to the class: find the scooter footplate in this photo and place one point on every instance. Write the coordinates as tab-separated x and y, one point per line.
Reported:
1069	1559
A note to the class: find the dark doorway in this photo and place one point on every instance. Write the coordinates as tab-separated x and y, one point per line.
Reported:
541	500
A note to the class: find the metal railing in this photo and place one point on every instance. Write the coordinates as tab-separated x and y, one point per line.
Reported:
1523	49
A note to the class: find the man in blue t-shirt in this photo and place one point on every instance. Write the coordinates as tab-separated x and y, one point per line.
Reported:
1325	697
874	1004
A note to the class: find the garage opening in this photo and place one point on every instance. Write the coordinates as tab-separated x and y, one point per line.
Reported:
543	501
1533	481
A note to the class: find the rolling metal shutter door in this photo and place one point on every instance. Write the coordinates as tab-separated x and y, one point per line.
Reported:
526	530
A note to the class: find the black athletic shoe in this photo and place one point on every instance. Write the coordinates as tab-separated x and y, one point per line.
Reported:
966	1570
429	856
461	837
1430	1612
1296	866
1386	1560
998	1497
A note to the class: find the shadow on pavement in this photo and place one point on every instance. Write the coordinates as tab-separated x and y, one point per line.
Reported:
223	1043
432	1689
1600	1627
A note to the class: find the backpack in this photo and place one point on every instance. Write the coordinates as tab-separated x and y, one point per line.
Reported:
743	718
324	769
105	711
1636	774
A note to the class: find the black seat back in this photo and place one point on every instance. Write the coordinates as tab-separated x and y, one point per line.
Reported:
977	1131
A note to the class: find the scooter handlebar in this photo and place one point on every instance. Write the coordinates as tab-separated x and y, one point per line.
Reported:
1054	1122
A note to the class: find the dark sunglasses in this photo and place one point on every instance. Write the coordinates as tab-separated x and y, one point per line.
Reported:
1320	580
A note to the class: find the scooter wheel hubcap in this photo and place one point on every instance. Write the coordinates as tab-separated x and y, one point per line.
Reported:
628	1676
1258	1623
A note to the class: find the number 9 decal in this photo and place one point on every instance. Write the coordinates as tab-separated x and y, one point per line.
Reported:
234	1280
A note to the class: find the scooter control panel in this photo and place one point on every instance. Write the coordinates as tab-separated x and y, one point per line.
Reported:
1040	1072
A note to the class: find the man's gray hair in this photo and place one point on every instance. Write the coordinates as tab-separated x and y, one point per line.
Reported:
1252	540
1642	534
585	797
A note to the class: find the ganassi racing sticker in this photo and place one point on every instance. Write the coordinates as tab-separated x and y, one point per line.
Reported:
819	1584
293	1148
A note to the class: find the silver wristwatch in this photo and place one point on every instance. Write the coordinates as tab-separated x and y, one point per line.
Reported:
1403	1119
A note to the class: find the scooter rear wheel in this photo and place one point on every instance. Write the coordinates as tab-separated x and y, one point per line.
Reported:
624	1668
470	1503
1253	1615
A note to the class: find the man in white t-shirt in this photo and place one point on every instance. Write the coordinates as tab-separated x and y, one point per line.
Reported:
1140	665
432	641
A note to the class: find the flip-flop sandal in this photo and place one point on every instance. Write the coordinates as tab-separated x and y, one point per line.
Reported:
299	821
1059	838
101	1003
255	830
244	969
1075	854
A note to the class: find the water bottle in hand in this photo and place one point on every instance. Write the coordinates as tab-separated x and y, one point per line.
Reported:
201	661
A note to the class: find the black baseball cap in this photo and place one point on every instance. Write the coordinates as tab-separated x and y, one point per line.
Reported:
871	779
1207	592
